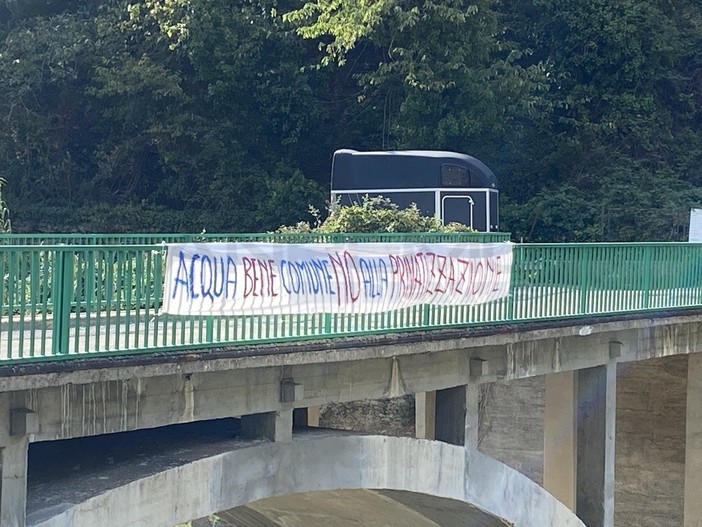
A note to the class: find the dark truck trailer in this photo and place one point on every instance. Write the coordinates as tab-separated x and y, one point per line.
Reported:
448	185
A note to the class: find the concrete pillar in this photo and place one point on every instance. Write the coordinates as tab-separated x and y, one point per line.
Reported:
13	487
425	415
596	389
560	437
276	426
693	443
472	417
451	415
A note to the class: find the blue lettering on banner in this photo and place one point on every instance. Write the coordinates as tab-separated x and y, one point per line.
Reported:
374	275
307	277
216	275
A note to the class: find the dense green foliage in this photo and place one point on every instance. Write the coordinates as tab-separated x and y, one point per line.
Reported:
183	115
375	214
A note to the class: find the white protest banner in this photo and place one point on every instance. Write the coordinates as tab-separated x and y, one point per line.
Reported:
222	279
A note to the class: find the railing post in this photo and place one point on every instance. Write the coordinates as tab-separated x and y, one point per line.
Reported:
584	280
209	330
517	264
327	323
61	294
426	315
646	278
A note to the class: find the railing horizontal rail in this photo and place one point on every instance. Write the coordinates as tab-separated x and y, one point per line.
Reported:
310	237
65	301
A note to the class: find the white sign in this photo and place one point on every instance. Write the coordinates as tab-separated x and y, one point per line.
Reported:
222	279
695	234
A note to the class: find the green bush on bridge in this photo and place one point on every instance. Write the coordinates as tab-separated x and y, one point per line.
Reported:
373	215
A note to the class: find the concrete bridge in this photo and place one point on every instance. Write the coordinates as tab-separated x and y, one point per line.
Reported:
588	417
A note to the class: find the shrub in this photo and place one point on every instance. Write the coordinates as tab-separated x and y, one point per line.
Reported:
375	214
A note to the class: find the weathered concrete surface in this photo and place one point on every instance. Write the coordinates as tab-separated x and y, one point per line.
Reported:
560	436
62	474
14	482
312	463
75	404
650	443
512	424
425	415
13	470
514	351
693	443
596	407
351	508
392	416
127	394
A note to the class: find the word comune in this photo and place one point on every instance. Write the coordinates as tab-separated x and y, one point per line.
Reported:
238	279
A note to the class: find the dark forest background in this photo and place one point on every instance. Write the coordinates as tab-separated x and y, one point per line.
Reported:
183	115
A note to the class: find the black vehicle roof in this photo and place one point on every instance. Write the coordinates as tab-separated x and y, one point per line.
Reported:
352	169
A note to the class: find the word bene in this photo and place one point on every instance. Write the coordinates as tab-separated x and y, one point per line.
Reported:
307	278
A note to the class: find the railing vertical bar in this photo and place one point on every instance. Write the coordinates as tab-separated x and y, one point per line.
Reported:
109	280
119	287
573	280
11	281
89	294
46	297
62	301
138	298
647	276
4	311
99	257
23	264
79	263
129	287
34	290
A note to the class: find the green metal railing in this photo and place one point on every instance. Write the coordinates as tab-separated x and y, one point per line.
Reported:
271	237
69	301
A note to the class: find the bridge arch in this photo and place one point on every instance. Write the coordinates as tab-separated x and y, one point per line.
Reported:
320	462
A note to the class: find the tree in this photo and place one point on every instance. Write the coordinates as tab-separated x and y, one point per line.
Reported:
434	74
119	116
616	146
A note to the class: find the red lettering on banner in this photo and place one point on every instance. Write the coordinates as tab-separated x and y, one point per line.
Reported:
498	272
441	264
428	283
397	269
462	276
479	268
266	278
259	277
347	258
272	289
341	283
249	277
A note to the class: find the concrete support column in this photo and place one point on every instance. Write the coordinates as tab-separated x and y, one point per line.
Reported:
425	415
276	426
472	417
693	443
13	485
560	437
596	389
451	415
